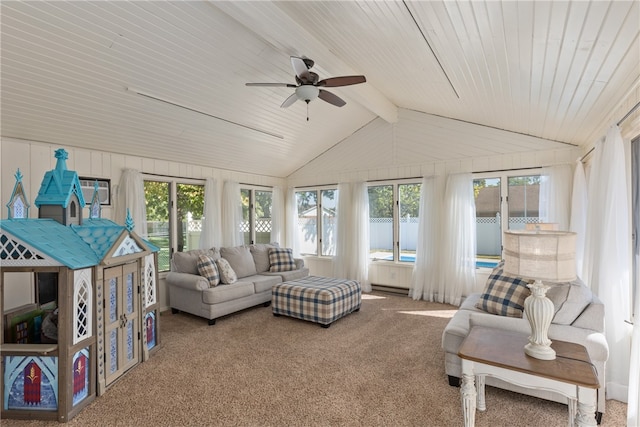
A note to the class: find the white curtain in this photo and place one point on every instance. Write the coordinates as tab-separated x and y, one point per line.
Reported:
231	214
211	233
341	260
131	198
578	223
633	403
352	242
555	195
277	216
426	270
458	274
292	223
360	235
607	260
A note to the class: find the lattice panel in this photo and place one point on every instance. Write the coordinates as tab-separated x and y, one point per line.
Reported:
149	281
82	303
127	247
16	254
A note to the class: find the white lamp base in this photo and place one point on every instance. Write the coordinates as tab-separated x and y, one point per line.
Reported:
539	310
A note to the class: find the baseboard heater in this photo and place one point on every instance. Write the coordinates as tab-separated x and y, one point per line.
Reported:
391	289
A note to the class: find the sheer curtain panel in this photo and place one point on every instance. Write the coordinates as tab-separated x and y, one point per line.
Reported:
292	223
231	214
555	195
131	197
458	274
426	270
344	248
277	217
578	223
211	233
633	403
607	261
360	235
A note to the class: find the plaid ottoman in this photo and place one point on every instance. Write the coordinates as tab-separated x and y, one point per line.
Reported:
317	299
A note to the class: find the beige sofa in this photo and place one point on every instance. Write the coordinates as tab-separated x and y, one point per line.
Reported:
191	293
579	318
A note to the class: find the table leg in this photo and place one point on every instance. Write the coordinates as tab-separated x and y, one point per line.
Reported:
586	415
480	390
572	403
468	394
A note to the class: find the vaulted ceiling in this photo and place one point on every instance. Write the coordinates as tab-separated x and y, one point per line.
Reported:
167	79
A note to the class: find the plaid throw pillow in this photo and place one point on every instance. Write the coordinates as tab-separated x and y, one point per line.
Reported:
281	259
207	269
504	294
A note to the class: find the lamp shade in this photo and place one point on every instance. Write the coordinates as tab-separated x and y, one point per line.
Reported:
544	255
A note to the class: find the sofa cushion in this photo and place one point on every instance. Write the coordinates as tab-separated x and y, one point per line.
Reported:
207	269
227	275
226	293
187	262
296	274
260	253
240	260
263	283
281	259
569	300
504	294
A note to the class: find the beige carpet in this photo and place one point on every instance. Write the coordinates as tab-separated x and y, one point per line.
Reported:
381	366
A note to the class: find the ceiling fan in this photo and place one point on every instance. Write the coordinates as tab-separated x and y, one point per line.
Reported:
308	87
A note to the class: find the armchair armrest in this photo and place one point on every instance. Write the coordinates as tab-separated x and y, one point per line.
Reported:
187	281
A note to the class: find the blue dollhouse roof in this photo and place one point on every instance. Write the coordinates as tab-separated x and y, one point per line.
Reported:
78	246
59	184
53	239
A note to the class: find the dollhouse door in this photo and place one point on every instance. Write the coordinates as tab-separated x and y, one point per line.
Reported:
122	320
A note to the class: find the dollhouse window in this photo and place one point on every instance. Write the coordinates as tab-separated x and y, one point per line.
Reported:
150	281
19	210
73	210
82	297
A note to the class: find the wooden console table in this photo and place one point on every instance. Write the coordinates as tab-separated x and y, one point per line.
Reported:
500	353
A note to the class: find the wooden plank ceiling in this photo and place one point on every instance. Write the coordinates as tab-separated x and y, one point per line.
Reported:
73	72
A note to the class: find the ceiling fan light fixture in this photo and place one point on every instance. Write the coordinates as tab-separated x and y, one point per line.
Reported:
307	93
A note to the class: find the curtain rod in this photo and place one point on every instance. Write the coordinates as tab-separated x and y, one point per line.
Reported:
630	112
510	170
625	117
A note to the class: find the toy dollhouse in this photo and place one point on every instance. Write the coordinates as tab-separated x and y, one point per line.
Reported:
88	308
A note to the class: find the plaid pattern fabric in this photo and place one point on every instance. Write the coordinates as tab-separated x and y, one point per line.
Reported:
504	294
316	299
207	269
281	259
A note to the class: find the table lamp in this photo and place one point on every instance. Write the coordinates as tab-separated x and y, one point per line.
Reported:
540	255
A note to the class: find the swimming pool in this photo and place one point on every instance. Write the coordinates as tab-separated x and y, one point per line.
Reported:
412	258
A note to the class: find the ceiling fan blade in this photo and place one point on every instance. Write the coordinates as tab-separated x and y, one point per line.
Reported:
271	84
290	100
300	68
341	81
331	98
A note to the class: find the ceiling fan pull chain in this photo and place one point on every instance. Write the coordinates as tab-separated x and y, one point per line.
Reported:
307	110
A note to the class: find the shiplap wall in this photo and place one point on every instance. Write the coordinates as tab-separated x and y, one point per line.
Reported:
412	147
35	158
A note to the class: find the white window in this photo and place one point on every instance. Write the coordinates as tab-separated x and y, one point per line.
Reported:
506	200
317	217
257	206
394	213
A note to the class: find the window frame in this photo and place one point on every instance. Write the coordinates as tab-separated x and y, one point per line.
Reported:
173	206
319	223
503	176
395	184
252	209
